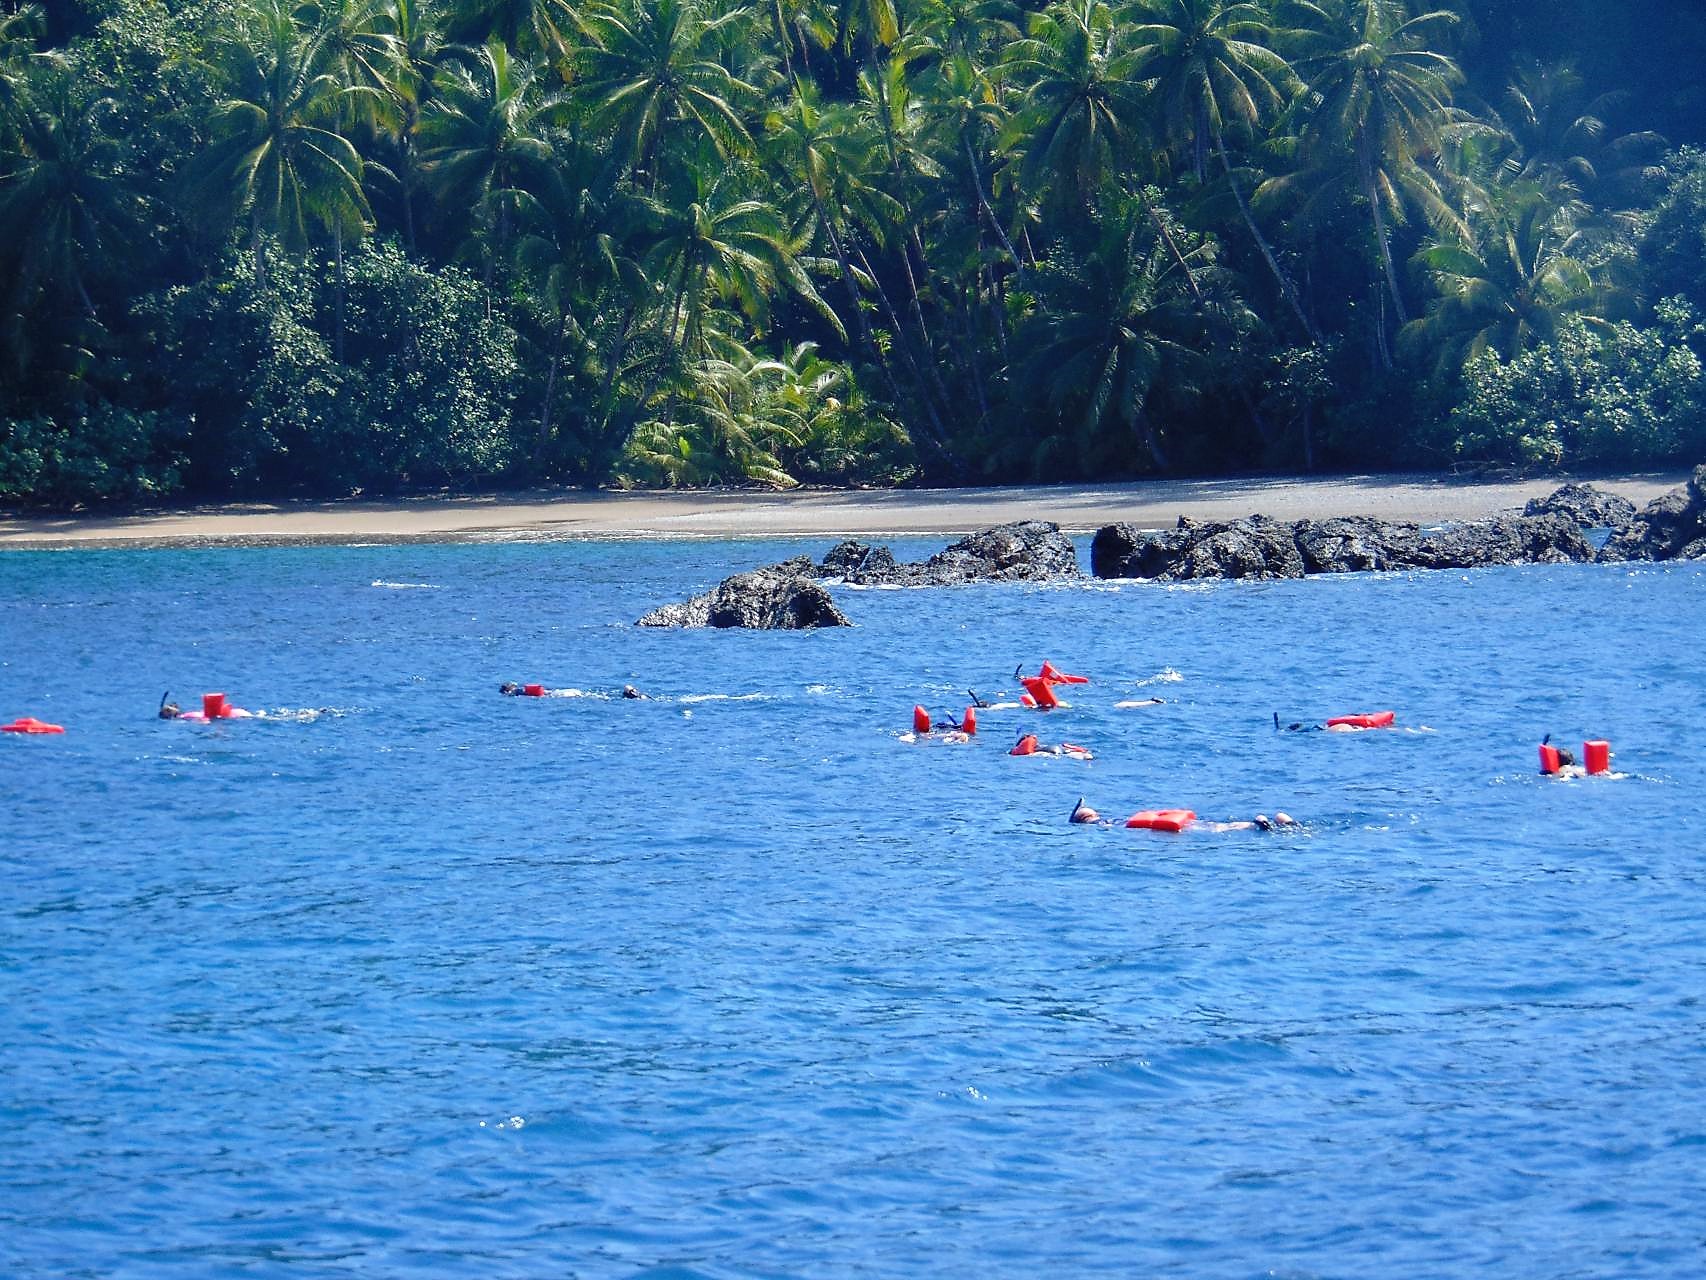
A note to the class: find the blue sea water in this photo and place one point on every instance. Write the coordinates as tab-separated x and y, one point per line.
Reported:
409	979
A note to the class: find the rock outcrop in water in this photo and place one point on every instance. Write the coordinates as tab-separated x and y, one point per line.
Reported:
778	597
1027	551
787	596
1670	527
1256	549
1589	507
1261	549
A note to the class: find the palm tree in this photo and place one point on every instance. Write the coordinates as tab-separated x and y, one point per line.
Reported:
943	29
1561	138
573	251
1109	330
651	68
19	33
65	205
1080	111
965	111
819	149
272	150
358	46
723	246
412	55
483	142
1510	287
547	28
1210	68
1379	91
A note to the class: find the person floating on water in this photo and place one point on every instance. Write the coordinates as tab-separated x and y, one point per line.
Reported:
1341	724
943	728
214	706
1028	745
629	691
1559	762
1083	815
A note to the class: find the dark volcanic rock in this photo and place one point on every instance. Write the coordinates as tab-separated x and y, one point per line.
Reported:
1589	507
1257	549
1124	551
1554	539
852	560
1666	527
1264	549
779	597
1355	544
1028	551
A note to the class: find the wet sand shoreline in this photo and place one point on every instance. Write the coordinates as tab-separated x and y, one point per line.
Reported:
818	513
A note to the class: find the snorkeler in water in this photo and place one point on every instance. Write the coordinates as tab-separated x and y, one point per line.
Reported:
1083	815
213	707
1567	766
1028	745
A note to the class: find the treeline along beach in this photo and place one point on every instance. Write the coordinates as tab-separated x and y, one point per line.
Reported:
249	247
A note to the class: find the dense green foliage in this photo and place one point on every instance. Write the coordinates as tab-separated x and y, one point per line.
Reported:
260	247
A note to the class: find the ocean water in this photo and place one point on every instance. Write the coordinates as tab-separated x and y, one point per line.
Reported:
410	979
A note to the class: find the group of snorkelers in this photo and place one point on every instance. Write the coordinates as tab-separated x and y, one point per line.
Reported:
948	729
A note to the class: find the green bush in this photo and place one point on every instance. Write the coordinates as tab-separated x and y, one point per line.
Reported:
422	394
105	454
1593	395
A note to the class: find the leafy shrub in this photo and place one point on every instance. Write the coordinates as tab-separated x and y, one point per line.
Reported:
104	454
1592	395
422	395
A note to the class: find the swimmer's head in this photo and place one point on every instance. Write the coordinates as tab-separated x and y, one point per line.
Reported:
629	691
1082	812
510	689
1263	822
170	711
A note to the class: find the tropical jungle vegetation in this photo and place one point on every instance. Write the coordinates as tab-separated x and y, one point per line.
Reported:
258	247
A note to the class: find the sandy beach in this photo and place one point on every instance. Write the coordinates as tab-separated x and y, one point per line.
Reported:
1428	499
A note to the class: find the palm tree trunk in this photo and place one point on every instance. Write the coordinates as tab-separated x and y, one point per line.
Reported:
550	388
1152	442
260	251
859	324
408	167
1166	235
966	327
785	43
1280	277
338	321
983	203
923	370
1365	168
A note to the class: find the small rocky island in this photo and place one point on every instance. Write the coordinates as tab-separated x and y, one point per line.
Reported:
791	595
